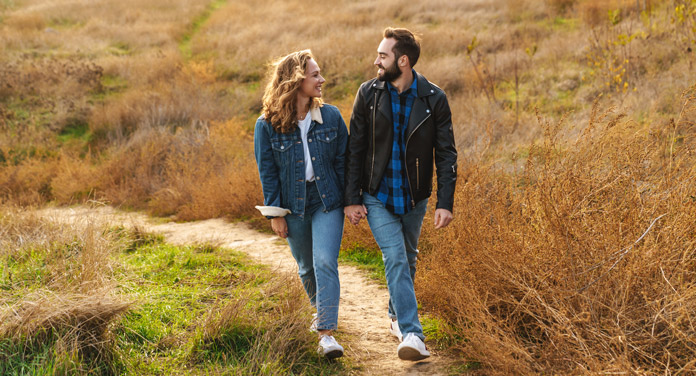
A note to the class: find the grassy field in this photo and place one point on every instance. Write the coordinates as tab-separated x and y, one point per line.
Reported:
573	243
82	300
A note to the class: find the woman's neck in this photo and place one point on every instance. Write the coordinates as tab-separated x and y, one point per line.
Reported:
302	106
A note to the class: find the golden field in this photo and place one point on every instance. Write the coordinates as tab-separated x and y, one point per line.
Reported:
573	246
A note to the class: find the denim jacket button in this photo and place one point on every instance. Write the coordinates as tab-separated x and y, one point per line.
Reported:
323	196
310	140
318	178
282	146
314	159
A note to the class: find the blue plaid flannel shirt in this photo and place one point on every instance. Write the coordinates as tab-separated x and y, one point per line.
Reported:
393	189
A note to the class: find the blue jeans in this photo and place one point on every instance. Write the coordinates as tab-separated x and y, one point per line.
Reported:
315	239
397	237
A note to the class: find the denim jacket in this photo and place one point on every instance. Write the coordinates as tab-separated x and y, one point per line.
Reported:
280	159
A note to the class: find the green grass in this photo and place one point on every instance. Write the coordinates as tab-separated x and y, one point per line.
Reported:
369	260
196	309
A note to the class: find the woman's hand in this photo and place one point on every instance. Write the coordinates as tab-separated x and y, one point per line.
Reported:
280	227
355	213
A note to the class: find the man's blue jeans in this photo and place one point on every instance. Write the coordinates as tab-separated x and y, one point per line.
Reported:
315	240
397	237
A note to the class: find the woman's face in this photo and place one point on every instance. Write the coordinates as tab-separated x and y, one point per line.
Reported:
311	85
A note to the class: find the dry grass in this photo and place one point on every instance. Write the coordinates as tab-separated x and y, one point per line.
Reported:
580	262
60	295
538	205
193	173
273	333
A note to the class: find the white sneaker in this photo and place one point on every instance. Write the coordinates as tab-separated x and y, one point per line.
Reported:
313	325
395	331
412	348
329	347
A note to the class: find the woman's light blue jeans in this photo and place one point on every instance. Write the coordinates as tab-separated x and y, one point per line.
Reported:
397	237
315	239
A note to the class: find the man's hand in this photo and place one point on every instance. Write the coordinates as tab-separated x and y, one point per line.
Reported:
280	226
355	213
443	217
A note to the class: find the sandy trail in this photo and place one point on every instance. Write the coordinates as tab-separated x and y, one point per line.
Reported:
362	313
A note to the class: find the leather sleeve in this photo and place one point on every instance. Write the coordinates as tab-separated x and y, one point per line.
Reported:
357	148
445	154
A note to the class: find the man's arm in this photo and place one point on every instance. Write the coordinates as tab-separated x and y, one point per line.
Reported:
445	161
357	148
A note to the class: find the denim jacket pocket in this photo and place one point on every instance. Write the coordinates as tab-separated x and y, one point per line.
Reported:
327	136
281	146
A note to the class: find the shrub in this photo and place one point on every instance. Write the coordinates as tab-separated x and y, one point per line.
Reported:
580	262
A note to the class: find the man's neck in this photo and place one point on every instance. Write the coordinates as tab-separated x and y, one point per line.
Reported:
404	81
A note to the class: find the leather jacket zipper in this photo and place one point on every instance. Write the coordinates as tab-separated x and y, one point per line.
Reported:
372	170
413	202
417	175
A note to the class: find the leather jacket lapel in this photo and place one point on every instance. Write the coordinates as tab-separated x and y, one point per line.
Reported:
384	104
419	113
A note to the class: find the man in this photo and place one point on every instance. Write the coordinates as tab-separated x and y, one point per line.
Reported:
399	121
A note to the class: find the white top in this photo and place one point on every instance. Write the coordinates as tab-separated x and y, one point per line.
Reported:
304	128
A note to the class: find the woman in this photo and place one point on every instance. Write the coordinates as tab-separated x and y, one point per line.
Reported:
300	146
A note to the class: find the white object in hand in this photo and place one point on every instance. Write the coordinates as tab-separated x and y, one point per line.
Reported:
273	211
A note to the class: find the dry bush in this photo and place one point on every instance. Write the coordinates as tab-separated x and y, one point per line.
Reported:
176	96
28	183
26	21
69	304
582	261
196	172
596	12
561	6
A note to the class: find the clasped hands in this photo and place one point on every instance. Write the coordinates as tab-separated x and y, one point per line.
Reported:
355	213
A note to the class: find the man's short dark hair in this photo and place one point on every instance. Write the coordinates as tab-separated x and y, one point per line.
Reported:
406	43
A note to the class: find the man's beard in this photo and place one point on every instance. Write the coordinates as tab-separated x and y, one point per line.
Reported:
390	74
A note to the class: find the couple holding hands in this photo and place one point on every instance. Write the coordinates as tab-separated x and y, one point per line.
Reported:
314	175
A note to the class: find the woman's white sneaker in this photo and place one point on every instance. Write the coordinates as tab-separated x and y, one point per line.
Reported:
329	348
395	331
412	348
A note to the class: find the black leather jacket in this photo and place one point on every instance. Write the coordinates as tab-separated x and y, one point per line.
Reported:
429	130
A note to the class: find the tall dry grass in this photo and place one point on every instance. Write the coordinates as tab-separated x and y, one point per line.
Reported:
581	261
273	332
58	292
196	172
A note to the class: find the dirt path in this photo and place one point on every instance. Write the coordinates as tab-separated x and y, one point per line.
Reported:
362	312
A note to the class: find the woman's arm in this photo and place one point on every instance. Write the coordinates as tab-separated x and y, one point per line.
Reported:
268	170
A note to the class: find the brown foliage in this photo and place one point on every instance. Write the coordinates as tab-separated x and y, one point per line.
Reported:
196	172
580	262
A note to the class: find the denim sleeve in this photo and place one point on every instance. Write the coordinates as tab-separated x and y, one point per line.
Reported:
340	161
268	170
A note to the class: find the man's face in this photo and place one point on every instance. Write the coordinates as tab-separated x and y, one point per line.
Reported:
386	62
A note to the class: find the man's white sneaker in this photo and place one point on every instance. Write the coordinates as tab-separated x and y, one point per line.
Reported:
412	348
395	331
329	348
313	325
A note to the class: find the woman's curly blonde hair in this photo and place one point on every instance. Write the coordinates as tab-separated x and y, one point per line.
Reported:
279	99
